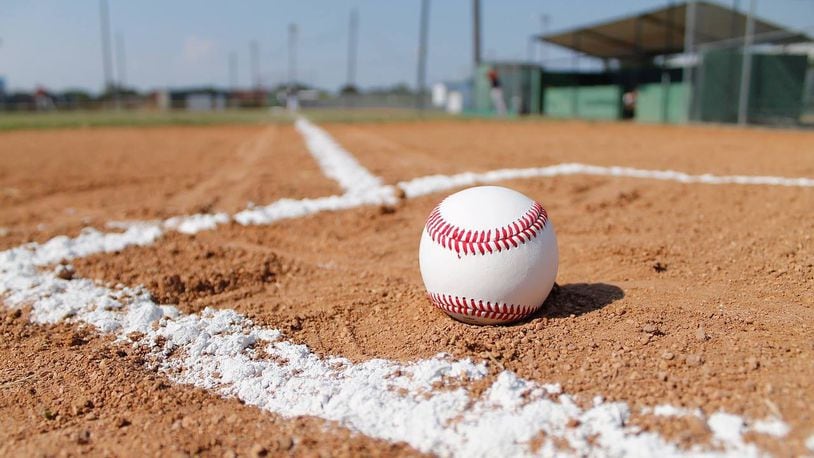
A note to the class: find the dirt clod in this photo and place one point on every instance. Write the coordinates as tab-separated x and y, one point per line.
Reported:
65	272
258	451
694	360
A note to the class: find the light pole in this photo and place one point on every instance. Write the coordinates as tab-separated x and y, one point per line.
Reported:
421	80
353	28
544	20
107	65
254	54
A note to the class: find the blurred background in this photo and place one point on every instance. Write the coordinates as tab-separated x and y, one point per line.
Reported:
98	61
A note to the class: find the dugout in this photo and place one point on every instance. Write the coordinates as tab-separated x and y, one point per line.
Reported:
675	60
596	95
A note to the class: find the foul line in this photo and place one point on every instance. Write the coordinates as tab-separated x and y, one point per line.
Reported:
435	183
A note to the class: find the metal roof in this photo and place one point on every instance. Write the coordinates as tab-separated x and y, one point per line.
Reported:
661	31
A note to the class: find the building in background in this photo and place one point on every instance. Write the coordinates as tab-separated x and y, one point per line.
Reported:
684	62
452	96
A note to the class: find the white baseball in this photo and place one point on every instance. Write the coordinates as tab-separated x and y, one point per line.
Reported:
488	255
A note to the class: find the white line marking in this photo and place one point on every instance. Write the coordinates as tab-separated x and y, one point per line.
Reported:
435	183
335	161
291	208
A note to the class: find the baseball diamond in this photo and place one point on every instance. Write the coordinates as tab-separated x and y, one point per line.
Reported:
457	229
302	323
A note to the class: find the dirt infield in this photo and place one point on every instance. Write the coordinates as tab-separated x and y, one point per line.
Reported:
696	296
404	151
55	182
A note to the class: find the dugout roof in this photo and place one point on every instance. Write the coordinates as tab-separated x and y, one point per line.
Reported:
661	32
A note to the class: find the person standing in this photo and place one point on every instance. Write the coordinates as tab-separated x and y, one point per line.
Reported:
496	92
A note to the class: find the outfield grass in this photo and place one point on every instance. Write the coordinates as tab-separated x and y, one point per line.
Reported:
77	119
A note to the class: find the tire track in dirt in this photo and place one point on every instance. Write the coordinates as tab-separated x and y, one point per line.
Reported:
268	166
63	181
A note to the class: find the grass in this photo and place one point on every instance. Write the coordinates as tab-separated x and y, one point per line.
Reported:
76	119
137	118
345	115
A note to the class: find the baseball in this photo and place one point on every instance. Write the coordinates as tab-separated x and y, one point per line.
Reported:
488	255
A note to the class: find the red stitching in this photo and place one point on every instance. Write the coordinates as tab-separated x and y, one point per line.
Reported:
479	309
468	241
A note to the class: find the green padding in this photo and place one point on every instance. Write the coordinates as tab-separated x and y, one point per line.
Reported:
775	90
559	102
662	103
599	102
592	102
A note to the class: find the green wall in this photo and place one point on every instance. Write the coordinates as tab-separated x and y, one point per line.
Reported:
589	102
662	103
775	90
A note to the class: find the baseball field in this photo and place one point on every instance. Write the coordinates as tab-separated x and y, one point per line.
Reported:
252	289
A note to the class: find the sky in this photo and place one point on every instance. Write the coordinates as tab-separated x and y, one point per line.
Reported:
183	43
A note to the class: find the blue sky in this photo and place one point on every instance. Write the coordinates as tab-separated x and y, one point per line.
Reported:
56	43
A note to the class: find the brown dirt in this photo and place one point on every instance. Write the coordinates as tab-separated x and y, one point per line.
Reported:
65	391
56	182
691	295
635	294
404	151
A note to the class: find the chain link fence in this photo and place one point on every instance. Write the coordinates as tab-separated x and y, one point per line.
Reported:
762	84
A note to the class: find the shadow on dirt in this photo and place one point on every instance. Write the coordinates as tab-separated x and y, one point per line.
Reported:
578	298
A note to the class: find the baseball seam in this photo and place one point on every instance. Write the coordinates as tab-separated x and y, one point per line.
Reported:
479	308
467	241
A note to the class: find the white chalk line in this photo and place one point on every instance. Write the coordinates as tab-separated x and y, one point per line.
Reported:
219	344
336	163
417	187
436	183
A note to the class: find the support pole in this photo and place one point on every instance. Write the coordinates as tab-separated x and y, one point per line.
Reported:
530	49
292	102
292	55
575	88
544	18
665	75
353	28
689	49
421	79
476	33
233	71
121	60
107	64
121	71
746	65
254	55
